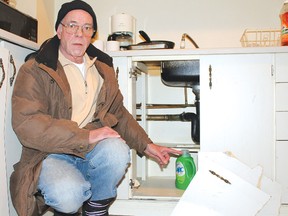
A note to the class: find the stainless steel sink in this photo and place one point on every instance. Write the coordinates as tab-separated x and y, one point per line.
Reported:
181	73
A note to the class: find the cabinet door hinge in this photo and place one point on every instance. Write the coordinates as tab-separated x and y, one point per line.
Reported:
134	183
137	69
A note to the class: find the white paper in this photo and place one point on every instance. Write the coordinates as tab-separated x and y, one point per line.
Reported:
229	162
252	175
216	191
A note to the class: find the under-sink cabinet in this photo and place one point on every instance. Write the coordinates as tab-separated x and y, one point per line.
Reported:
237	113
141	85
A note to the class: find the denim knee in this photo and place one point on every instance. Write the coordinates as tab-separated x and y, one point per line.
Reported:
108	162
113	152
63	186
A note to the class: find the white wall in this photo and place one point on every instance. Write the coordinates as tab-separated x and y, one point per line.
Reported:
45	16
210	23
27	6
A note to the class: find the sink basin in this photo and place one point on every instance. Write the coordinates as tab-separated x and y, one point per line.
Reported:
180	73
185	73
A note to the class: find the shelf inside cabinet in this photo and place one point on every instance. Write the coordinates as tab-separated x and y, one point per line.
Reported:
157	188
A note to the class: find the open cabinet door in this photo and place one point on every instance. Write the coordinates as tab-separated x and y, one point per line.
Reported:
127	85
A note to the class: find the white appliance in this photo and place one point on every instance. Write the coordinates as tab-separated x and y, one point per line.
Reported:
122	29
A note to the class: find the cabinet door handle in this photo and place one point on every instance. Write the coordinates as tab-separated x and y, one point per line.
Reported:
14	70
3	73
210	77
272	70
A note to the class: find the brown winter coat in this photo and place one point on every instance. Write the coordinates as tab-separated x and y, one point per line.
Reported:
41	113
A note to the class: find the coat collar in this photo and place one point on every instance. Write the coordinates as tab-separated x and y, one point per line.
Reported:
48	53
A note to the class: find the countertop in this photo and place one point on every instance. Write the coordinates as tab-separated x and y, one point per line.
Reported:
7	36
211	51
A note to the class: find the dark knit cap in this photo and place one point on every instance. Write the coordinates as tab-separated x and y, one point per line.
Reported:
75	5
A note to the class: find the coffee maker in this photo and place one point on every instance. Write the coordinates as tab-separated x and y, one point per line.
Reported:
122	29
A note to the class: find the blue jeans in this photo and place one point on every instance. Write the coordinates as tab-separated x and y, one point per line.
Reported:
67	181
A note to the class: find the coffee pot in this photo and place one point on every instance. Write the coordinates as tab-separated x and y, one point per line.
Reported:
122	29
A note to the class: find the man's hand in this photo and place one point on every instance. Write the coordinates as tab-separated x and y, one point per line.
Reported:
160	153
102	133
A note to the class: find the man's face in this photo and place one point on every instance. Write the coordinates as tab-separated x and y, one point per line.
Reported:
73	44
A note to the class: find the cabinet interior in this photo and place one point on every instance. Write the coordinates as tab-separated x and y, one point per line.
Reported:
154	102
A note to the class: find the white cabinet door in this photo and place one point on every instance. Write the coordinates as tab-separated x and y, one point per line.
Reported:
123	67
237	107
13	147
4	65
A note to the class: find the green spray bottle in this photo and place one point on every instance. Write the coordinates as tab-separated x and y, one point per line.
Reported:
185	170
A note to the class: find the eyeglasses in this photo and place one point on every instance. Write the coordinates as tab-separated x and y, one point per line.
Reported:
72	28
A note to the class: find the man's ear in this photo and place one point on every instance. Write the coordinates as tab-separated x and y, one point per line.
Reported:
59	31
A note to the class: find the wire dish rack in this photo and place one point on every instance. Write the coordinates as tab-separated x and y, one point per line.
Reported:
260	38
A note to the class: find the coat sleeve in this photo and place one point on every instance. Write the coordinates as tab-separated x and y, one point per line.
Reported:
114	114
129	129
40	114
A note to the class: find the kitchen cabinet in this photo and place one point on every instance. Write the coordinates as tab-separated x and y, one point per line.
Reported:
281	114
141	86
14	56
237	91
4	65
237	111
